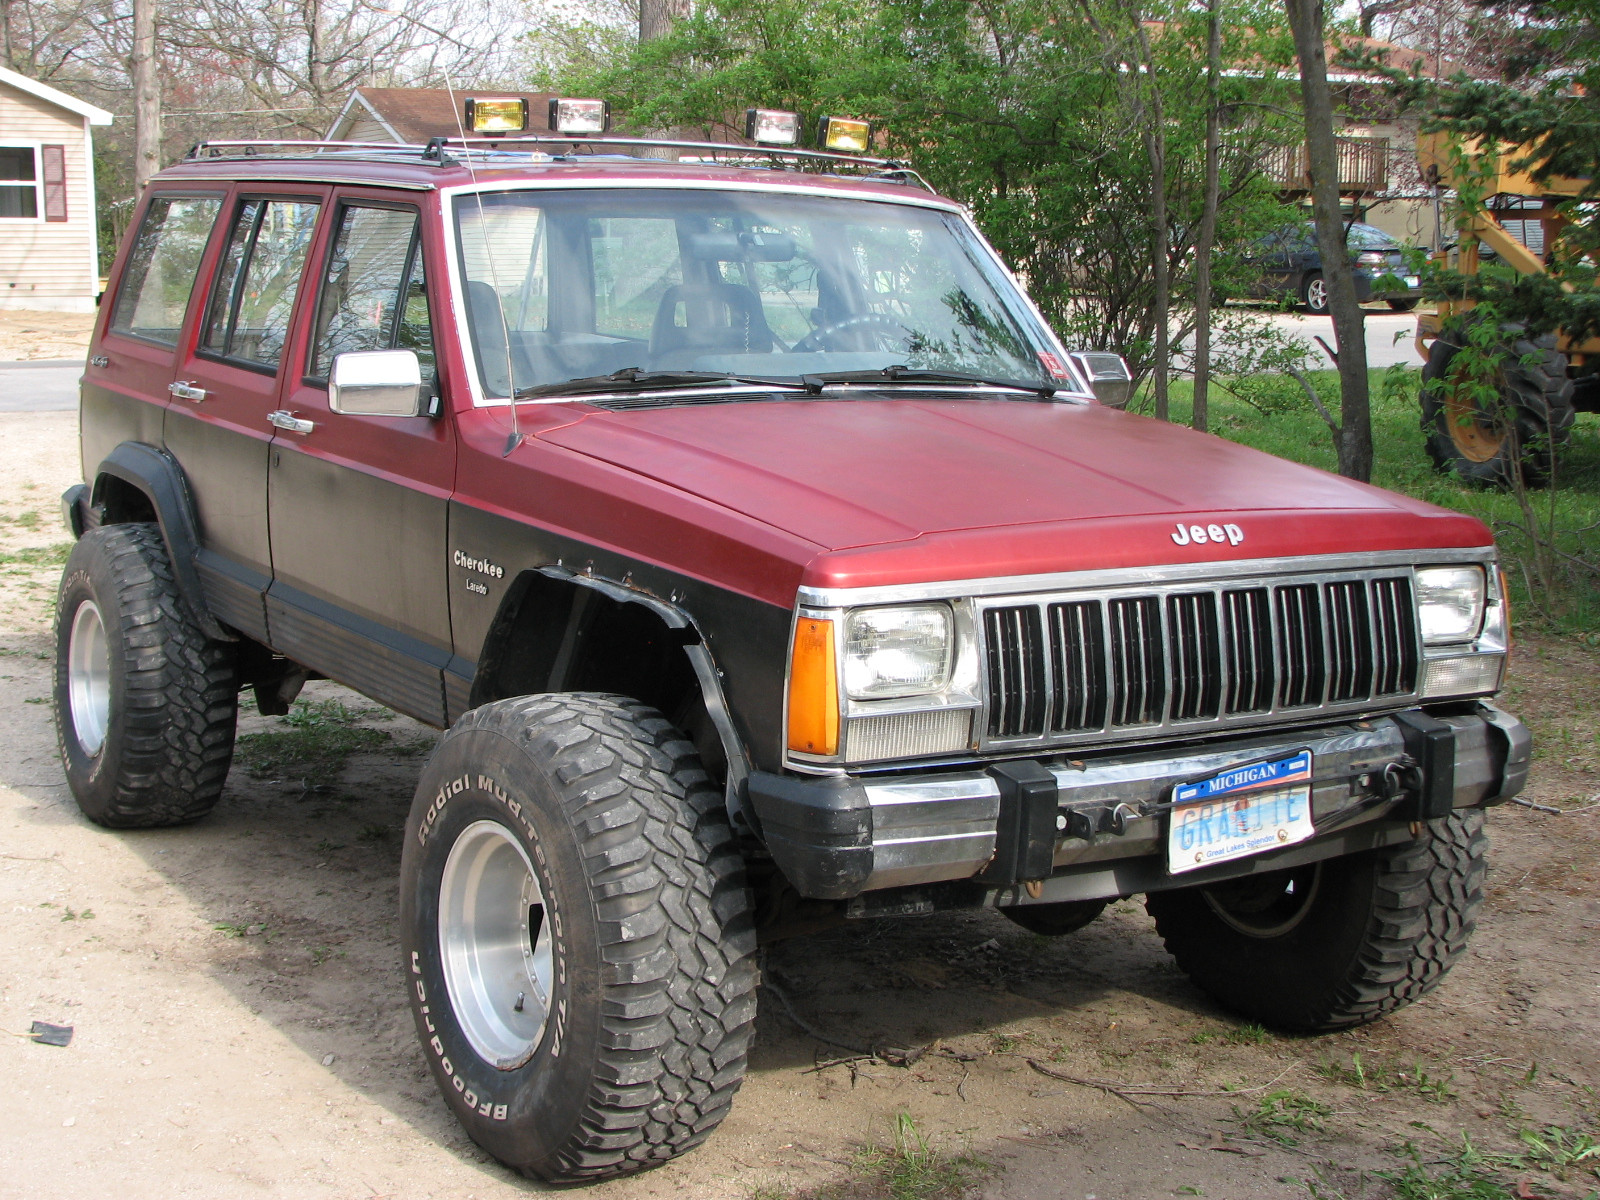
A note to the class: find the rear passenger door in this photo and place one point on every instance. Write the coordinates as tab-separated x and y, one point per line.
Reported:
229	384
125	384
358	504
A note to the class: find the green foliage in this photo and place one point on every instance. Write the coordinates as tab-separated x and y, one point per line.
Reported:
1561	1151
1281	1114
314	740
909	1169
1026	110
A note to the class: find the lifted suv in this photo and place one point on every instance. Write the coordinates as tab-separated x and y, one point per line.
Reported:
769	562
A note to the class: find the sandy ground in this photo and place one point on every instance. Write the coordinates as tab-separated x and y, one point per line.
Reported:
240	1027
26	336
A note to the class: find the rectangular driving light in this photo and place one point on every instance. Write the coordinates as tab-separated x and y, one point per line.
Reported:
771	126
579	117
497	115
845	135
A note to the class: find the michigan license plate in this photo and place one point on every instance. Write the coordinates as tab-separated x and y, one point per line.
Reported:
1244	810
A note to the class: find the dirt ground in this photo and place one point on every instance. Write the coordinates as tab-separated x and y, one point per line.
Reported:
240	1027
28	336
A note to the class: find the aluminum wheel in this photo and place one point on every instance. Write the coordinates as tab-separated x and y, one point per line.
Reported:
494	943
89	678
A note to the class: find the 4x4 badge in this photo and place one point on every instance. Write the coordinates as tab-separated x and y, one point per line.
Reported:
1201	534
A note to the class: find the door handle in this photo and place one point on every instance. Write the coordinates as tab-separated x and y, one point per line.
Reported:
184	390
284	419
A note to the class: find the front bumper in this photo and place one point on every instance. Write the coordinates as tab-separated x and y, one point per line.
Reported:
835	837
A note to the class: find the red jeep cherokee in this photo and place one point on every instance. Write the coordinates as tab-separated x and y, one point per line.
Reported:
768	561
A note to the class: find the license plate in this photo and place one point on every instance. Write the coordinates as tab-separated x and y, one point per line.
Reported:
1244	810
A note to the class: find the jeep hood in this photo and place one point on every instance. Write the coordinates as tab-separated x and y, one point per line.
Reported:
892	490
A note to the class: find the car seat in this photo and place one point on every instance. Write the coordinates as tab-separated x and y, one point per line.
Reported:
719	318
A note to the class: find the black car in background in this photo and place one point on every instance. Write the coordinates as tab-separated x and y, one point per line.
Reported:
1291	266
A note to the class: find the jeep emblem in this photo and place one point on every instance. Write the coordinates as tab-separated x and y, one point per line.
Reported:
1201	534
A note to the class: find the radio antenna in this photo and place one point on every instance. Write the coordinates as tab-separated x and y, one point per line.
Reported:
515	439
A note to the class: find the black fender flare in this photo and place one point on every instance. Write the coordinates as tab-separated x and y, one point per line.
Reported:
157	475
707	674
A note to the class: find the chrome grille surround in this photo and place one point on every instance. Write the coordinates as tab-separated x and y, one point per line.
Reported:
1152	658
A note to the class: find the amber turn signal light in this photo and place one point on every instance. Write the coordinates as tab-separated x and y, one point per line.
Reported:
498	115
813	689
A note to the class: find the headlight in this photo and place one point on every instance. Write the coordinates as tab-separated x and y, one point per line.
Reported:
897	651
1449	603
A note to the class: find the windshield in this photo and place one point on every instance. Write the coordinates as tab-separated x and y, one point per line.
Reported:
574	284
1369	237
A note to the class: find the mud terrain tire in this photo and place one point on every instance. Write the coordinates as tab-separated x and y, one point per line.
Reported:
1537	397
616	1036
145	703
1336	944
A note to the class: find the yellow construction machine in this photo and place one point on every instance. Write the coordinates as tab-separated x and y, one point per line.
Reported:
1542	381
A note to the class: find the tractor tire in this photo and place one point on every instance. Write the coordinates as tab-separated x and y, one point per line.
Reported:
1534	421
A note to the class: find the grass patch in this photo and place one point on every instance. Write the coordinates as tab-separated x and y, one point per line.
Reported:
909	1169
315	738
1282	1114
37	556
1270	413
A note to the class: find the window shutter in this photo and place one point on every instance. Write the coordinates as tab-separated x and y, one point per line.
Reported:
54	164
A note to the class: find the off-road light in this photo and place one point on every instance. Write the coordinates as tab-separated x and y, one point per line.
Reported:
897	651
813	689
497	115
845	135
579	117
772	126
1449	603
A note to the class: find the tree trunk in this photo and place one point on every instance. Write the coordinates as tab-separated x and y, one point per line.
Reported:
656	17
1207	235
1155	146
5	35
145	69
1355	423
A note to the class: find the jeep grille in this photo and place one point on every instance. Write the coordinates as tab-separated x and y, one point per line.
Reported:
1066	668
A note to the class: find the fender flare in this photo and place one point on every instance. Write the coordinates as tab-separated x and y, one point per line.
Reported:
705	669
155	473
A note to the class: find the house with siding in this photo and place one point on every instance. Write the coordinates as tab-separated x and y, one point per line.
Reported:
413	115
49	256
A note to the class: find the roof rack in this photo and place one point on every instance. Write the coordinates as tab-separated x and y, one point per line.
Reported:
458	151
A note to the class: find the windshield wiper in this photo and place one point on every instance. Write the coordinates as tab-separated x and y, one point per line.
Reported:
903	374
635	379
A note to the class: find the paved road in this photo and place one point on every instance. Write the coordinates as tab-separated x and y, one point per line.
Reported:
45	385
1383	347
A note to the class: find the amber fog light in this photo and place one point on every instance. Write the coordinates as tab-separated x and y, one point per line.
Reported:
495	116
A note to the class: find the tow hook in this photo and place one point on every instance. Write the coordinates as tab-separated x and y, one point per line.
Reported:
1084	823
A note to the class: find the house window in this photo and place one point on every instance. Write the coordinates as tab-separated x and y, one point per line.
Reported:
19	183
33	182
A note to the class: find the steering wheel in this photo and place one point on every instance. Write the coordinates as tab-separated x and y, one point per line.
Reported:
873	331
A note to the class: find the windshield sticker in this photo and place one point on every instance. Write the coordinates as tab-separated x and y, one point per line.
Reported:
1201	534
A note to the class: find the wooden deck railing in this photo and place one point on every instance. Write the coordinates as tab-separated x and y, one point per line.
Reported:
1363	165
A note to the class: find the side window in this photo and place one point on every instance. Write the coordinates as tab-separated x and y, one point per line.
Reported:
374	296
159	275
636	259
254	295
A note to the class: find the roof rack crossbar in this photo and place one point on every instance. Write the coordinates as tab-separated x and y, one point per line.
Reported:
434	151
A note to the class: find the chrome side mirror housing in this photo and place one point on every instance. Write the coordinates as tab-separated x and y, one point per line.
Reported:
1108	375
377	383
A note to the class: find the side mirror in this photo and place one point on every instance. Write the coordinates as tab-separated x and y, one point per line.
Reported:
377	383
1108	375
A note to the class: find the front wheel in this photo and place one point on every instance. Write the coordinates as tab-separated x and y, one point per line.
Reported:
577	934
1336	943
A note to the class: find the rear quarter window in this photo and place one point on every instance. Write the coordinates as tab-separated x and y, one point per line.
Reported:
159	275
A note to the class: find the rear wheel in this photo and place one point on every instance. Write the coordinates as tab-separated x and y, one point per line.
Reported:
145	703
1336	943
1314	293
577	936
1519	430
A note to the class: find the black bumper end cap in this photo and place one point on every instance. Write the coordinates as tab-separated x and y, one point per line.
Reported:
818	831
